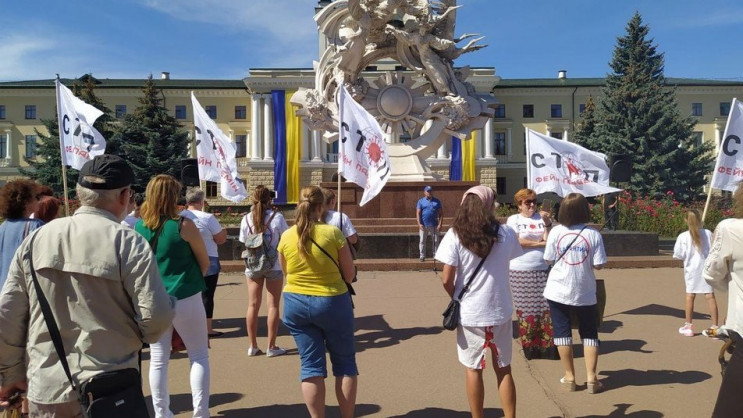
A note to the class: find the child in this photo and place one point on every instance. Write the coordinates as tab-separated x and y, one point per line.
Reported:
692	247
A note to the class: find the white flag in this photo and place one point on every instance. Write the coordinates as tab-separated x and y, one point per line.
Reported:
729	167
79	141
363	155
216	155
563	167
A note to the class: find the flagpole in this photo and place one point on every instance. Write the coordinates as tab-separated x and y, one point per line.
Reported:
528	165
62	155
341	97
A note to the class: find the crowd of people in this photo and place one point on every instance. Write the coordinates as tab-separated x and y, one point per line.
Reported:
141	270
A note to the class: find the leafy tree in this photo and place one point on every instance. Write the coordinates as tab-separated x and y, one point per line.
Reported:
638	115
152	140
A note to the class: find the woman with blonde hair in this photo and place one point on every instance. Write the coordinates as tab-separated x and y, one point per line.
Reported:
692	247
476	252
528	277
575	251
318	266
182	260
263	219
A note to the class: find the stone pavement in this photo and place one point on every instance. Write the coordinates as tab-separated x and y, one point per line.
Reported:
409	366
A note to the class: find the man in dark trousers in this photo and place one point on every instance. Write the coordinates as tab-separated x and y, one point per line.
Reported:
430	215
611	210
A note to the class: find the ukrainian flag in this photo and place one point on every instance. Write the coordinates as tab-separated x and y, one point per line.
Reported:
462	166
287	128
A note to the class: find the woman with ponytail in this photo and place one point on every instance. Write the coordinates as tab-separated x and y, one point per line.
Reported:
263	219
692	247
316	261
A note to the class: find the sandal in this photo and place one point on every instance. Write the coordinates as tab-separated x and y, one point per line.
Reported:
594	387
569	385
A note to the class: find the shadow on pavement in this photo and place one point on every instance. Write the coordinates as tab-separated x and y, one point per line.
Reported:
621	411
632	377
181	402
236	327
607	327
662	310
446	413
296	410
382	335
608	347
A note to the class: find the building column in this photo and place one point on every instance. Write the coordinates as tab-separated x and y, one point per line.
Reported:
316	151
718	139
9	146
565	134
509	144
478	144
304	150
489	139
548	131
267	128
442	152
255	131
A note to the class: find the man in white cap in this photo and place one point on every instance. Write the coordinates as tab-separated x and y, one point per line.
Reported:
103	287
430	216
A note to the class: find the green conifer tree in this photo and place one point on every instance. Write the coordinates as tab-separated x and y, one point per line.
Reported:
638	115
152	140
584	136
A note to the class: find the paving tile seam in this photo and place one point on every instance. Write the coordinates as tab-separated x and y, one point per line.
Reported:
541	381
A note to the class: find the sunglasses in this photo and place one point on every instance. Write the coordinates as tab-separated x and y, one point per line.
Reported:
530	202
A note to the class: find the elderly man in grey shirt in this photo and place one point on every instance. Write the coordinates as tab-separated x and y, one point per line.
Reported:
103	286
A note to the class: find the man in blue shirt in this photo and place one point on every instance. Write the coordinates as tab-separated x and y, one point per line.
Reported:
430	215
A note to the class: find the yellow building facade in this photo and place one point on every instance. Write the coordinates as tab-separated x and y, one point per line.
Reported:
242	110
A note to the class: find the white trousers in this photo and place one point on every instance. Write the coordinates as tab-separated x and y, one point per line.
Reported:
190	322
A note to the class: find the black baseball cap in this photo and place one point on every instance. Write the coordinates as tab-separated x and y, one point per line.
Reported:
106	172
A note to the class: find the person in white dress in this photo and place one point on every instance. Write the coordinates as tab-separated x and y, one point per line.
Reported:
692	247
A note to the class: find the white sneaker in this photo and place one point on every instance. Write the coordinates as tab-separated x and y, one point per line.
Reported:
687	330
273	352
254	351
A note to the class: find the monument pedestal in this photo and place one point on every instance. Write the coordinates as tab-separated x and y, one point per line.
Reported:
398	199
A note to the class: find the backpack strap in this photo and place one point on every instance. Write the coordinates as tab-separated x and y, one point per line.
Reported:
273	213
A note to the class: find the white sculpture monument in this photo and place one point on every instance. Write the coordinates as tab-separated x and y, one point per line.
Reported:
428	108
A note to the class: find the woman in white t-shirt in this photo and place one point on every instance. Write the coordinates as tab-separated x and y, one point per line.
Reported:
528	276
486	307
263	219
575	250
692	246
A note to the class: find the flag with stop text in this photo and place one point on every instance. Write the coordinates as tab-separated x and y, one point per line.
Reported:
79	141
558	166
363	157
216	155
729	166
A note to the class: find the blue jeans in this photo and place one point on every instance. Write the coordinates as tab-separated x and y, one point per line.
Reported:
317	323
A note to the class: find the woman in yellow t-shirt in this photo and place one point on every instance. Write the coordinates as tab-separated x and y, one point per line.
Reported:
317	305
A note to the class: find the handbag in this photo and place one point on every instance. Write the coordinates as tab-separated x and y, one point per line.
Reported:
451	314
114	394
351	291
549	267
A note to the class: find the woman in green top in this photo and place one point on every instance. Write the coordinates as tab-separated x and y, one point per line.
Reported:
182	260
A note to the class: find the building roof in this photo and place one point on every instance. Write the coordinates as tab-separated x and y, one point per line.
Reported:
112	83
600	82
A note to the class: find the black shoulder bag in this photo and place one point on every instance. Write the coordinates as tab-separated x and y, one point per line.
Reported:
351	291
549	268
115	394
451	314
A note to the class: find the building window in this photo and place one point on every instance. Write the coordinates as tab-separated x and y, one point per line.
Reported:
2	111
3	146
500	111
120	111
500	186
698	138
724	110
557	135
500	143
581	109
241	112
30	111
180	112
240	145
211	111
528	111
30	146
556	111
211	189
696	109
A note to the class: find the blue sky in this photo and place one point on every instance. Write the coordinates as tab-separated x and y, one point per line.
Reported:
223	39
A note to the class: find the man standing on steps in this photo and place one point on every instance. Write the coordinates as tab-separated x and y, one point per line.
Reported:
430	215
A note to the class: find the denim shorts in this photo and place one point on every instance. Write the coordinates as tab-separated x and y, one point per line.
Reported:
317	322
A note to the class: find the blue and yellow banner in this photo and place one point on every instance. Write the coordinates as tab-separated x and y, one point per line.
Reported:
287	128
462	166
